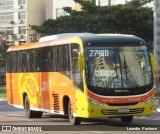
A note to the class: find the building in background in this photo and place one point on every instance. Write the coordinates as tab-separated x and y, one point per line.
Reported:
116	2
54	8
110	2
17	15
157	41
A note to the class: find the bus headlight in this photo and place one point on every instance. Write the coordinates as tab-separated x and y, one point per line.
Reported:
148	100
92	101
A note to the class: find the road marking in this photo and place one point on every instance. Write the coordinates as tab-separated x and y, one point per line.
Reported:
3	99
89	130
15	115
97	132
19	119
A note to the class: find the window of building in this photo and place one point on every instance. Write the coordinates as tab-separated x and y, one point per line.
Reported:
22	15
22	30
7	30
2	4
20	2
8	4
6	18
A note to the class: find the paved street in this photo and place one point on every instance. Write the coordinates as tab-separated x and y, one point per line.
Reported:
11	116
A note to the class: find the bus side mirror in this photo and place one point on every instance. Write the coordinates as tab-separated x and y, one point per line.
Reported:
81	63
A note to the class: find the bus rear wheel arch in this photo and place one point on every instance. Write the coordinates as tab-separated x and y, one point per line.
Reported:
30	113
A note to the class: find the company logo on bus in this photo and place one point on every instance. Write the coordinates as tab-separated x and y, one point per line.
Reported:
121	91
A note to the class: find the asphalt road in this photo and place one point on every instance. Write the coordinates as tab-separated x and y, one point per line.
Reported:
16	120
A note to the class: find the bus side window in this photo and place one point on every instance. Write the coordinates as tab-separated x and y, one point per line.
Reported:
23	59
31	60
37	60
9	62
63	59
66	58
49	57
45	59
14	62
54	58
59	58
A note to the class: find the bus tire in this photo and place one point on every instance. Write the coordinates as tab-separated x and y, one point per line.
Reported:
29	113
127	119
73	120
38	114
156	104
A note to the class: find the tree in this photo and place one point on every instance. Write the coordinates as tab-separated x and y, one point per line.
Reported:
140	2
3	49
125	19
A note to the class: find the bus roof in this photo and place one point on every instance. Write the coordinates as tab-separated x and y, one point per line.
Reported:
88	40
58	36
111	39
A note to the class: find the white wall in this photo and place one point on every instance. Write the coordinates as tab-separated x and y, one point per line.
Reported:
49	9
35	12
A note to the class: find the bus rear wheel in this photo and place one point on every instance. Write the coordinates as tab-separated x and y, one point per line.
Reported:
127	119
29	113
73	120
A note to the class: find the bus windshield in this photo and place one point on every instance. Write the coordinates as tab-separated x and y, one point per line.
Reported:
117	67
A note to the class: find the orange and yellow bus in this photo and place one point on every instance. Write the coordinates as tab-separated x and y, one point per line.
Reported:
82	76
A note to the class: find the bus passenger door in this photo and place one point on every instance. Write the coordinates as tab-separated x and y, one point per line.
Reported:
76	73
77	81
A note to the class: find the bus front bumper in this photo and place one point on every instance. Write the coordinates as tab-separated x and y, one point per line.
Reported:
93	111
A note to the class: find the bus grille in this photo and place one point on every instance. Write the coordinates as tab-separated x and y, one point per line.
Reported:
56	102
115	112
123	104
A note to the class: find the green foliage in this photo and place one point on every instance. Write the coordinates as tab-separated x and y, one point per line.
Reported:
139	2
3	93
131	18
2	56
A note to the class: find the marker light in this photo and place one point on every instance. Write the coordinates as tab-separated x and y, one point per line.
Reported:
148	100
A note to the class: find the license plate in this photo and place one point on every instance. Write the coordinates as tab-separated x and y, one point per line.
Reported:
123	110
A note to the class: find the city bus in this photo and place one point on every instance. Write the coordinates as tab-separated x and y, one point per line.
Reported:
81	76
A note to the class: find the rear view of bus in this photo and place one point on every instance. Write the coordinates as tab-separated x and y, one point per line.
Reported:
118	77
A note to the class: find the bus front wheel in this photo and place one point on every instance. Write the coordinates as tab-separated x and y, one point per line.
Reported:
30	113
127	119
73	120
